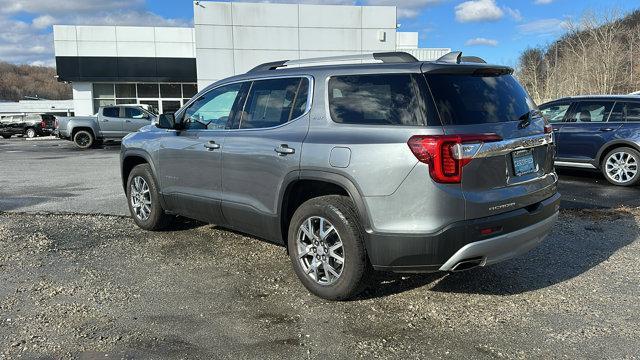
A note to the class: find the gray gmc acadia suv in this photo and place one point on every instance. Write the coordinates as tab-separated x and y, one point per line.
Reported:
398	165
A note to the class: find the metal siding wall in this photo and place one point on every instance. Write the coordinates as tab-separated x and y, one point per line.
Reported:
231	38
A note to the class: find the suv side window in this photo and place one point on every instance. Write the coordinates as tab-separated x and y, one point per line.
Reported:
626	111
133	113
380	99
113	112
274	102
211	110
591	111
555	113
633	112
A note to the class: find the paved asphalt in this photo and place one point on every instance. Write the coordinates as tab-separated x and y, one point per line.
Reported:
50	175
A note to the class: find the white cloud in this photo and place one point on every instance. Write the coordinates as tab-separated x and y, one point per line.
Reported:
43	21
66	6
406	8
478	10
21	43
514	13
49	63
543	27
32	42
481	41
543	2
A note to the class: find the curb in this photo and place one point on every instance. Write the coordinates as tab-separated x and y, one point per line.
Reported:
41	138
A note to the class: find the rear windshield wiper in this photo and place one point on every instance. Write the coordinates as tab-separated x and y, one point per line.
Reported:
525	119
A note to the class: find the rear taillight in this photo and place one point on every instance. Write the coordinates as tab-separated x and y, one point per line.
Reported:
43	124
548	129
446	155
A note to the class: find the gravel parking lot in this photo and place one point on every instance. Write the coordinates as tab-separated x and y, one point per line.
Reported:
88	286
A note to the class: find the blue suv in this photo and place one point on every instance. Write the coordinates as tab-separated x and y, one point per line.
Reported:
598	132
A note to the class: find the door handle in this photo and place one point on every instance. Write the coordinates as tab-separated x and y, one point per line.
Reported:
211	145
284	149
606	129
127	121
105	120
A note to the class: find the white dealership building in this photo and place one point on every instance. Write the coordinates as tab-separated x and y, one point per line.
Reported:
165	66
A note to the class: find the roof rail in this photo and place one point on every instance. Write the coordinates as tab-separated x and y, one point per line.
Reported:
385	57
455	57
269	66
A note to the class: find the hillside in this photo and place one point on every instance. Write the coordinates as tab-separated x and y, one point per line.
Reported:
18	81
597	55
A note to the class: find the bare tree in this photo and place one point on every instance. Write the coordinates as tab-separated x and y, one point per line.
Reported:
597	55
18	81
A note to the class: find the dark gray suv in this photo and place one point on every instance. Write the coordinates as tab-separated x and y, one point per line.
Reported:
393	164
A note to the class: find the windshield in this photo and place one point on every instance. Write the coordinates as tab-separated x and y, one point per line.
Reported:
470	99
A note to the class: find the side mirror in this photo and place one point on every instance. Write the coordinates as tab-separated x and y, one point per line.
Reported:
167	121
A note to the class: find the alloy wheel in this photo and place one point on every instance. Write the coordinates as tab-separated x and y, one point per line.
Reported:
83	139
621	167
320	250
140	198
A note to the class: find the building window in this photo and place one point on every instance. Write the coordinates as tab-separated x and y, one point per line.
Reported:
148	91
160	97
189	90
170	91
126	90
103	91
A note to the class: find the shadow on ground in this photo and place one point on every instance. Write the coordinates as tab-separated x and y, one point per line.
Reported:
565	254
588	189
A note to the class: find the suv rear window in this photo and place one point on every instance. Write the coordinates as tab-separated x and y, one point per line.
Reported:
470	99
379	99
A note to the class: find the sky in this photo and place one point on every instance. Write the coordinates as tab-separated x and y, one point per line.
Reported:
497	30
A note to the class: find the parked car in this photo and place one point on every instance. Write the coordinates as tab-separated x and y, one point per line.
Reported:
598	132
29	125
110	123
402	166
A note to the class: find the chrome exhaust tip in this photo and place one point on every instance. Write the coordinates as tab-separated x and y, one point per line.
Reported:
468	264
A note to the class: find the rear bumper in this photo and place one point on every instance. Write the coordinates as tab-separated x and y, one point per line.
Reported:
62	134
502	247
517	232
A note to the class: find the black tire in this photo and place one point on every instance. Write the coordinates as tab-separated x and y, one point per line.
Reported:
356	270
30	133
631	163
83	139
6	136
157	218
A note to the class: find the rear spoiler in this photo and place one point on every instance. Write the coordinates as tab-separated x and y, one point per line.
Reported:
455	64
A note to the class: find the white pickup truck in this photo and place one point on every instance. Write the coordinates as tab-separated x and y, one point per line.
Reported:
110	123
